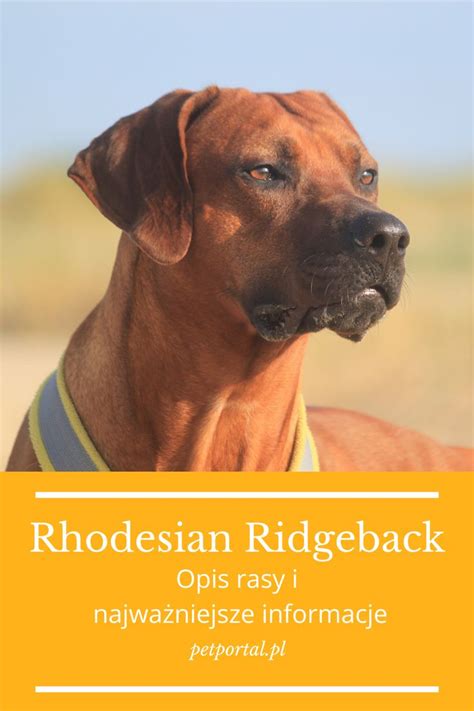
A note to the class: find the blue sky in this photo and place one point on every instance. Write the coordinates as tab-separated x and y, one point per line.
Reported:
400	69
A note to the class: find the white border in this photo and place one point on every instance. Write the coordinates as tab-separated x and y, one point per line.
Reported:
237	494
237	689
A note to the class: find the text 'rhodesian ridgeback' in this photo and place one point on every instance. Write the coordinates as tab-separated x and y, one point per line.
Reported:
248	221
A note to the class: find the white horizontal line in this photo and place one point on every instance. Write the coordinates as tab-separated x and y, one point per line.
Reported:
237	494
237	689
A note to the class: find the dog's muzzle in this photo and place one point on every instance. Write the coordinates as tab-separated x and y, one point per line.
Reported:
346	291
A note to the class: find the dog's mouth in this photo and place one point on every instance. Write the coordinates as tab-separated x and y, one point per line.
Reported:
353	318
350	317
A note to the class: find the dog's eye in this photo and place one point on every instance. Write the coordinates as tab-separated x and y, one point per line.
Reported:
263	173
368	177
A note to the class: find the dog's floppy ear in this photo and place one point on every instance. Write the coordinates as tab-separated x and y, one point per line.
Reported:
135	174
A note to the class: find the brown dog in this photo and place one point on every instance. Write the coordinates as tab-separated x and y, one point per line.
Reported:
249	220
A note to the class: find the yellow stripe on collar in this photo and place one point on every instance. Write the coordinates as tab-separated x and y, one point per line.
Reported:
35	433
305	455
75	421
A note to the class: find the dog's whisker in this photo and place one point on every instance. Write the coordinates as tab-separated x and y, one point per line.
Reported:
311	256
328	285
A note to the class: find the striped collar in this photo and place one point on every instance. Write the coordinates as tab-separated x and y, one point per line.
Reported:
61	442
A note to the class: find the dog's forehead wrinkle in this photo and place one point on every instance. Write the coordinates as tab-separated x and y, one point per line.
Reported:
289	106
355	151
287	148
360	155
314	108
257	137
270	146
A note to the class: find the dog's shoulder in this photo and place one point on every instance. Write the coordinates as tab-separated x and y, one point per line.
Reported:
22	457
352	441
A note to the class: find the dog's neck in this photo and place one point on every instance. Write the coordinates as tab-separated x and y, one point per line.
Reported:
166	376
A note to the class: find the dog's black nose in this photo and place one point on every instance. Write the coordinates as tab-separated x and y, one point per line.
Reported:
381	234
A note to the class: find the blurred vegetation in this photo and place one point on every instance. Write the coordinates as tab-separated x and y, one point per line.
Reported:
414	369
57	252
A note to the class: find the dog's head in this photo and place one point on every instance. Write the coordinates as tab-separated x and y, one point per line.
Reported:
272	197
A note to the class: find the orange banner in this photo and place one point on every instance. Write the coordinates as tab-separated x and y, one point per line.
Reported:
225	591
